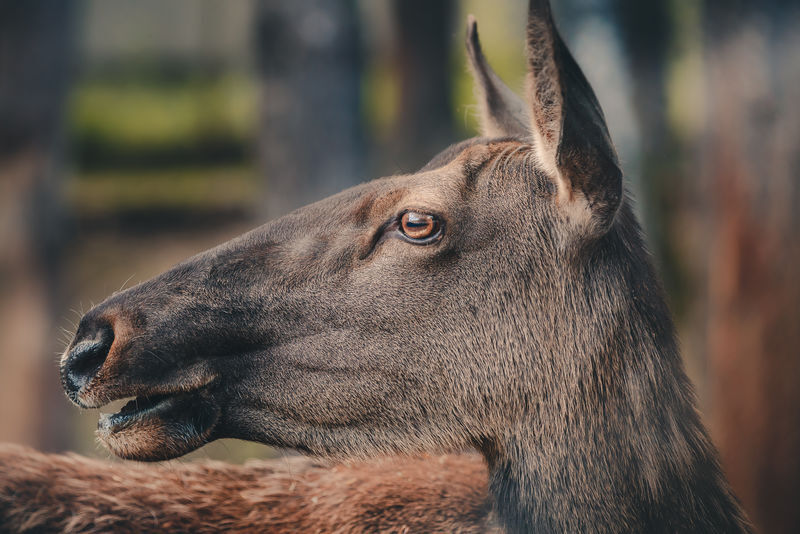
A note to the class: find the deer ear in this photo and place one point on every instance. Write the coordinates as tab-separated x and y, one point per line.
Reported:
570	133
502	112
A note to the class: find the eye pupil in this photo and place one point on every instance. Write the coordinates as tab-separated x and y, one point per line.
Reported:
419	226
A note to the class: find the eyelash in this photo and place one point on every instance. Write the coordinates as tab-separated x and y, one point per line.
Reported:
391	228
436	232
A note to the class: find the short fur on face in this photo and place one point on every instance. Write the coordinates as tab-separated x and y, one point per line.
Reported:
531	327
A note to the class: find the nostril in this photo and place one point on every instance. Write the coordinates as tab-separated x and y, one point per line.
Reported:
86	358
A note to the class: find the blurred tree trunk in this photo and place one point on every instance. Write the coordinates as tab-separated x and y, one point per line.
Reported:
646	30
752	165
35	39
310	138
422	55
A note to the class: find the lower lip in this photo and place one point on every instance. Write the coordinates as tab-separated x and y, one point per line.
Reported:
165	427
132	412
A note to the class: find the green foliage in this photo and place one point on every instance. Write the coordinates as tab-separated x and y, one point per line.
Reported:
130	122
143	141
188	188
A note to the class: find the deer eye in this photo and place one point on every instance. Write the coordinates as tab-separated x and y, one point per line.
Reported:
420	228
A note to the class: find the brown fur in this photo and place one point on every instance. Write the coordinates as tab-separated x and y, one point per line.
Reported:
531	327
69	493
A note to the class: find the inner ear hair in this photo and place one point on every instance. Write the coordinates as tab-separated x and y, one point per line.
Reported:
569	130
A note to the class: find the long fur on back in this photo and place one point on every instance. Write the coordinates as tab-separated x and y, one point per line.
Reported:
69	493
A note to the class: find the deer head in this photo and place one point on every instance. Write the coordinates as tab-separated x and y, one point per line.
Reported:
500	298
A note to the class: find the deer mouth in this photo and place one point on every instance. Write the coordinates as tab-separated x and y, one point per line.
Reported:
160	426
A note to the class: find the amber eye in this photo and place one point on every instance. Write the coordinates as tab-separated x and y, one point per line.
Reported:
419	226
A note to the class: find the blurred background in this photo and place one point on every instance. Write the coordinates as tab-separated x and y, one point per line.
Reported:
134	134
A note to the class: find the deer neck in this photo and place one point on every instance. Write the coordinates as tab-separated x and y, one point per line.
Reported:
604	435
612	466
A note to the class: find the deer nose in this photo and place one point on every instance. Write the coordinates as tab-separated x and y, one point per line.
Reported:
89	350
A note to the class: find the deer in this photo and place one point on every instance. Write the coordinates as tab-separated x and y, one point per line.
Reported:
501	299
70	493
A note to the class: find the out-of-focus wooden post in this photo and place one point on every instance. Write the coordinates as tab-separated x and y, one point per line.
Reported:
423	31
35	39
752	166
310	135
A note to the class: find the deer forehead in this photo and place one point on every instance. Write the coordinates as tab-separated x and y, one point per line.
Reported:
436	190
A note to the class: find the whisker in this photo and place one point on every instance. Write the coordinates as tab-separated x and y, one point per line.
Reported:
125	282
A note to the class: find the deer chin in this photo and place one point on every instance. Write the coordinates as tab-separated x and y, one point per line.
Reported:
160	426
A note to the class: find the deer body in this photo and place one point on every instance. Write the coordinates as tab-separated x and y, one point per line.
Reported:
501	299
68	493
